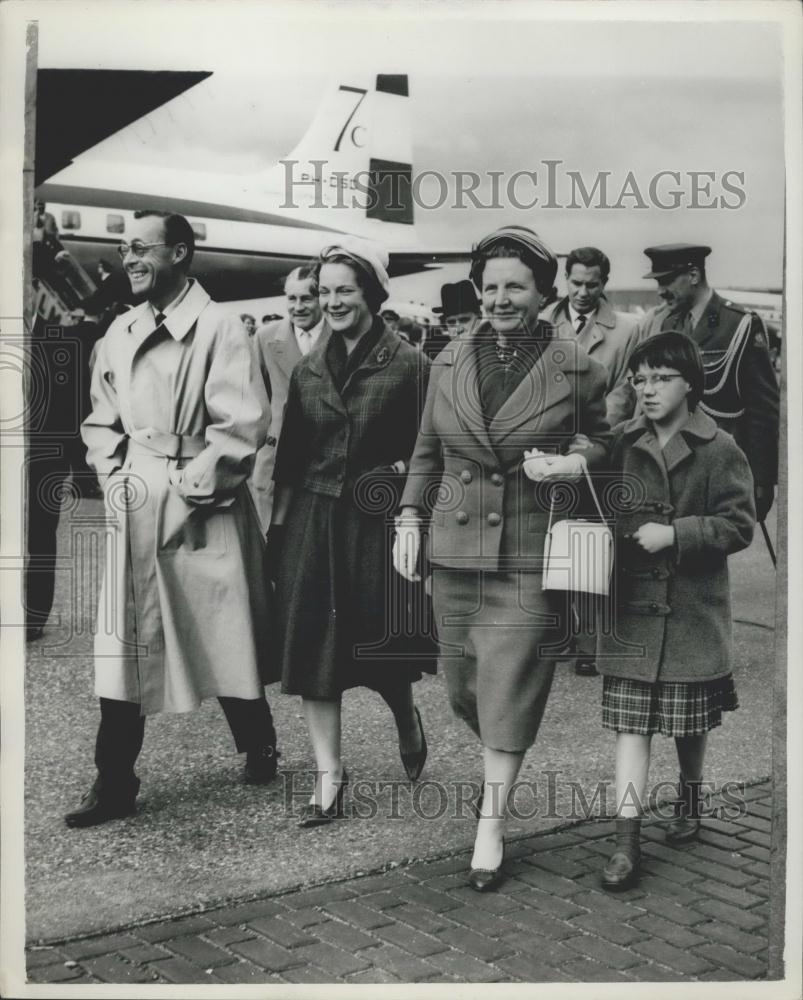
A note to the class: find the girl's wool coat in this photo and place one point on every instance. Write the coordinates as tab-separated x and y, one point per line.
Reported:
672	613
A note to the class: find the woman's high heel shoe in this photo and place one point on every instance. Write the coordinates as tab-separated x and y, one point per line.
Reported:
414	762
315	815
487	879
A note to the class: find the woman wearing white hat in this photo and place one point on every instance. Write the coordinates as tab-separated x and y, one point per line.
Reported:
346	619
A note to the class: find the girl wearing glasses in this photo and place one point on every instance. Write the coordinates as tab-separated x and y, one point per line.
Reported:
686	505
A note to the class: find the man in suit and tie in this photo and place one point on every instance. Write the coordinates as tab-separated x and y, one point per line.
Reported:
741	390
608	336
280	346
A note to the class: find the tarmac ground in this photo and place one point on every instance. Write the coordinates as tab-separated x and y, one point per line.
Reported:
214	862
700	914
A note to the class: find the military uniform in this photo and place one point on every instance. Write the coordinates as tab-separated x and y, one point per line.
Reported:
741	389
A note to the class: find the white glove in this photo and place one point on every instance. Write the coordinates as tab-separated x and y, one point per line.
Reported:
538	466
406	546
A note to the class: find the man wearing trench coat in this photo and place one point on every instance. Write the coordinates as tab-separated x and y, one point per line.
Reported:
179	411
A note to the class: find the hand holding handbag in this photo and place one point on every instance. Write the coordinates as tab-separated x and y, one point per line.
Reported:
578	554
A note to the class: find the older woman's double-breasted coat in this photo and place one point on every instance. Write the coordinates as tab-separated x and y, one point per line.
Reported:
672	617
498	629
178	413
486	514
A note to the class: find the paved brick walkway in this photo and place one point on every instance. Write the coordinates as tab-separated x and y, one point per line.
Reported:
700	913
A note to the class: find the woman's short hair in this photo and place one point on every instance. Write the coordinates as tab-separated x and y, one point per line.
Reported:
523	244
366	280
672	349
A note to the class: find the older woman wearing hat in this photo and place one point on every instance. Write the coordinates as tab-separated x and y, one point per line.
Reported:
507	404
345	616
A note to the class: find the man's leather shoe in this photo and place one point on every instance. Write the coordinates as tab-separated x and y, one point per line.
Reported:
96	808
586	668
260	765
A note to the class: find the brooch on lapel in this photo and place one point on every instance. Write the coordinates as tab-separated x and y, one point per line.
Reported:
382	356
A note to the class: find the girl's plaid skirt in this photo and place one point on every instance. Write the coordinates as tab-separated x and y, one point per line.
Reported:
671	708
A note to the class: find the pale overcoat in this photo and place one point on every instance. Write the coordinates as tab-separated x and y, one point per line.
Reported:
178	413
673	619
610	338
277	354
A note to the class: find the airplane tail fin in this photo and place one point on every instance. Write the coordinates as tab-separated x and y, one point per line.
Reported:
352	170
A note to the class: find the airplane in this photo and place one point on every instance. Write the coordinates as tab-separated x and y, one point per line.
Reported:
350	173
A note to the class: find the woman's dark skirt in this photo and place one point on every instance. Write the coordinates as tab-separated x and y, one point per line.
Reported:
499	640
673	708
345	617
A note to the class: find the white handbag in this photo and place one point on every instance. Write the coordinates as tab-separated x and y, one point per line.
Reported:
578	554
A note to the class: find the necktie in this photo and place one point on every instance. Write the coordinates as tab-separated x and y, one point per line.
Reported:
304	341
160	318
580	323
684	324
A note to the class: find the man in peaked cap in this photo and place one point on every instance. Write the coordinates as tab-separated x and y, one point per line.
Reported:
741	391
460	309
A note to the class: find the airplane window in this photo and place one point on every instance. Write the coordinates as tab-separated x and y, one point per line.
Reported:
70	219
115	224
199	229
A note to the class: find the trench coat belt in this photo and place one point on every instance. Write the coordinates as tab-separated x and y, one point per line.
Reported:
151	441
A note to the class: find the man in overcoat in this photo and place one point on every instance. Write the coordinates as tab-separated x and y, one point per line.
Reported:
609	337
178	413
741	390
280	346
606	335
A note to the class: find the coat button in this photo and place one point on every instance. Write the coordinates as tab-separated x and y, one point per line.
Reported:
462	517
494	520
497	478
654	608
656	573
466	476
